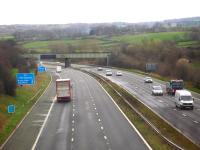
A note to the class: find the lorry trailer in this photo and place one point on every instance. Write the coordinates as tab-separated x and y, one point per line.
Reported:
63	90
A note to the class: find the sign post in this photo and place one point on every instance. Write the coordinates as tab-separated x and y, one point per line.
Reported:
11	109
25	78
41	69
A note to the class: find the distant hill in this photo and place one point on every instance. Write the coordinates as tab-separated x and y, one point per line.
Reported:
193	21
61	31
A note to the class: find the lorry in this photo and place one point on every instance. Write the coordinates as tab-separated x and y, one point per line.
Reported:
63	90
174	85
58	69
184	99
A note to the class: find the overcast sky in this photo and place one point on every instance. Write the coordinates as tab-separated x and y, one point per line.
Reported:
94	11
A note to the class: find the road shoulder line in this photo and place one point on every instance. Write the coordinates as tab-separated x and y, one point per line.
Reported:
145	142
26	114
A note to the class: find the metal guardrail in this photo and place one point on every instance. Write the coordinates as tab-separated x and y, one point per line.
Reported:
140	114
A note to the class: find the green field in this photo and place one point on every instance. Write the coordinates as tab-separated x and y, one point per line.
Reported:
22	102
6	37
46	46
189	44
161	36
101	43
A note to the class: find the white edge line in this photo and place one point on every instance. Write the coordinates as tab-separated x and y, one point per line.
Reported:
149	147
44	123
41	129
178	130
25	116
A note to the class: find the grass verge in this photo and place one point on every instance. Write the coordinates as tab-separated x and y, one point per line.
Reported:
23	101
153	138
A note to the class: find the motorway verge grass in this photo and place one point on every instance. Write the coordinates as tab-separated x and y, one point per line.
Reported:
152	137
25	98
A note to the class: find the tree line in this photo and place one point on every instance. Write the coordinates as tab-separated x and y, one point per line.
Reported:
11	61
172	61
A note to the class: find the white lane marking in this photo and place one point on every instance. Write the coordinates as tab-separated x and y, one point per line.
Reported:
105	137
101	127
43	115
73	115
72	139
38	125
195	121
99	120
72	121
148	146
160	101
38	121
175	109
97	114
72	129
184	115
42	128
95	108
1	147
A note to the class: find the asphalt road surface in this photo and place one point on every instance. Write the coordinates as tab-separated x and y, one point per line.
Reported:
91	121
186	121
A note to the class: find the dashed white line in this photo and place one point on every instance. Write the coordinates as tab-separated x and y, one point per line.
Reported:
99	120
105	137
72	121
184	115
73	115
72	129
97	114
95	108
72	139
41	129
195	121
38	121
101	127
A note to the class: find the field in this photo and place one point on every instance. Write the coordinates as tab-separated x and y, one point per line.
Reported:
6	37
22	102
92	44
102	43
158	37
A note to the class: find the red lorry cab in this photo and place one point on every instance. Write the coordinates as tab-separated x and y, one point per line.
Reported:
63	89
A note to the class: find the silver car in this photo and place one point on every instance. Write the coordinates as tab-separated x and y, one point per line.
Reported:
148	80
157	90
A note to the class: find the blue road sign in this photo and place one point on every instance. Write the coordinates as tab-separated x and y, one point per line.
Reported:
11	108
25	78
41	69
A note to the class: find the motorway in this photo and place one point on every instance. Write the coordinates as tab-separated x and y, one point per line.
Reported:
91	121
186	121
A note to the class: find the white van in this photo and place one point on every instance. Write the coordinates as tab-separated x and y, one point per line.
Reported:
184	99
58	69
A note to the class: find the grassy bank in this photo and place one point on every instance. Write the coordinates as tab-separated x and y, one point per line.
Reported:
26	96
